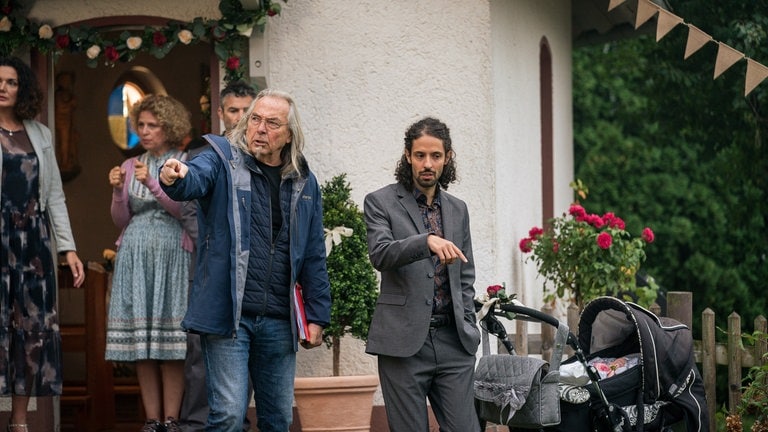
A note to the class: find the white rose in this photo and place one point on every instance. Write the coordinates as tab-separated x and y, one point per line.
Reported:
5	24
45	32
133	42
185	37
93	51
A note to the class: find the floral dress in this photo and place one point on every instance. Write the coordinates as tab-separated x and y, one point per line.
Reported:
30	341
150	282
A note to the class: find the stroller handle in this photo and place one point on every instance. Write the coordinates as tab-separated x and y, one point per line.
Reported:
519	309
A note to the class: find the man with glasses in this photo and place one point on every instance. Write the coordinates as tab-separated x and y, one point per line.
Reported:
235	99
261	233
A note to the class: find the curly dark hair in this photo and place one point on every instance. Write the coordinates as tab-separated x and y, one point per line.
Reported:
30	97
434	128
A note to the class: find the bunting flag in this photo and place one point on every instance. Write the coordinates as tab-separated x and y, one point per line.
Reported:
645	11
696	40
756	73
613	3
666	22
726	57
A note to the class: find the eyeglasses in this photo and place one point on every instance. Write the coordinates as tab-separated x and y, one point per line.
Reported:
271	124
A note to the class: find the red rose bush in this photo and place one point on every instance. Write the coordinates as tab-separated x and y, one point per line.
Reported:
584	256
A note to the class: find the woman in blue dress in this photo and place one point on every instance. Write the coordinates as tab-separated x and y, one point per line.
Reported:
34	226
149	285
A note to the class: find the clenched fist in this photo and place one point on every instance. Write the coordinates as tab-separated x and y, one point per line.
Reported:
141	172
116	177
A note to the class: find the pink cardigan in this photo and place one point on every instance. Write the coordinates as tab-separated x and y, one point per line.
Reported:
121	212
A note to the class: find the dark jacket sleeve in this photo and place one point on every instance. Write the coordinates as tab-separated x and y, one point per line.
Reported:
314	274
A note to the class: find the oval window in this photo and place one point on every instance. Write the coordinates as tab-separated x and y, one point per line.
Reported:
120	101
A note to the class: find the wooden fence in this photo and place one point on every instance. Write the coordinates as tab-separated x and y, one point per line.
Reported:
708	352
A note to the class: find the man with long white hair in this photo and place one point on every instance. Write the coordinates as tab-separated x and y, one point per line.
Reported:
260	234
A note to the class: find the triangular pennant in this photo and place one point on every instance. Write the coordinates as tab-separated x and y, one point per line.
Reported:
696	40
646	9
666	22
613	3
756	73
726	57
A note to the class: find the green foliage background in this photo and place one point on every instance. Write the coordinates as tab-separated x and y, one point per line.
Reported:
661	143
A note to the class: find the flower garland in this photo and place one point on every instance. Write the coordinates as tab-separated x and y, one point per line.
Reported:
229	35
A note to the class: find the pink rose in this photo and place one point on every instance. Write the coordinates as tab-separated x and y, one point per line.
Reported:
535	232
577	211
159	39
648	235
62	41
595	220
111	53
604	240
613	221
526	245
494	290
233	63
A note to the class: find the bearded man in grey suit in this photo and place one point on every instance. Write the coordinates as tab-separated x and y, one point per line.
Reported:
424	327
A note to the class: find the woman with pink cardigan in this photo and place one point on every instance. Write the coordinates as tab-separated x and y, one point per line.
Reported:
149	286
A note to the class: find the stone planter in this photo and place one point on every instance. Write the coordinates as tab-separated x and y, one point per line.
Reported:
337	403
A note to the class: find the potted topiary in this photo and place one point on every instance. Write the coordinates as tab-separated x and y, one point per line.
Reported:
354	291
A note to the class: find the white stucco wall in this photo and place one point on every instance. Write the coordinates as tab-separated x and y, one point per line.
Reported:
58	12
518	29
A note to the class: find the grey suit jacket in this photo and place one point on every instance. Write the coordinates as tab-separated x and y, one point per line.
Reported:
397	246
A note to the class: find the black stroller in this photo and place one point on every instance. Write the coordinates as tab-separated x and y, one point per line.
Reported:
658	385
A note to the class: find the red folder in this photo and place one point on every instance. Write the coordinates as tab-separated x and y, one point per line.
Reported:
301	316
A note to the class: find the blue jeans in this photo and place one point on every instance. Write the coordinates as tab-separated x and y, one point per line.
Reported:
263	348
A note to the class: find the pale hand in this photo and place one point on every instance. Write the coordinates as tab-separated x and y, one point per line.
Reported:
76	266
116	177
445	250
172	170
315	336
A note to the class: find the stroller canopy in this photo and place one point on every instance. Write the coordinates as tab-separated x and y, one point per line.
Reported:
610	327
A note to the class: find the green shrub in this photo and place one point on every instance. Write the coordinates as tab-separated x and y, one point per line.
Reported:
353	280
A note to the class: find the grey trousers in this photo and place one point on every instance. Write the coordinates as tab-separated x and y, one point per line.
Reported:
443	372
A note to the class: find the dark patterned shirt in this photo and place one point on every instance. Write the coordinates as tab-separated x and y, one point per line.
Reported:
432	217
